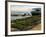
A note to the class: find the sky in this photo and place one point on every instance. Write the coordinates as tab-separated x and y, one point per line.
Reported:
22	7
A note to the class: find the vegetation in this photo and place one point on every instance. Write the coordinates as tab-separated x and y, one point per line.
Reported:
25	24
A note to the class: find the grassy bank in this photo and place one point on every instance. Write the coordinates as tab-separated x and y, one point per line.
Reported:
27	23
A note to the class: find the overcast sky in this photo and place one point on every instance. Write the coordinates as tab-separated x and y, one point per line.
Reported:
23	7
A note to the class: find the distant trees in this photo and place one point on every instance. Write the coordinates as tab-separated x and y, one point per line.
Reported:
37	11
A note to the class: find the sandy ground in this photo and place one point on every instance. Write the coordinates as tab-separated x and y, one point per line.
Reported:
37	27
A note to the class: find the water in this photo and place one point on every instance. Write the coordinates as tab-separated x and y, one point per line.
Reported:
18	17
